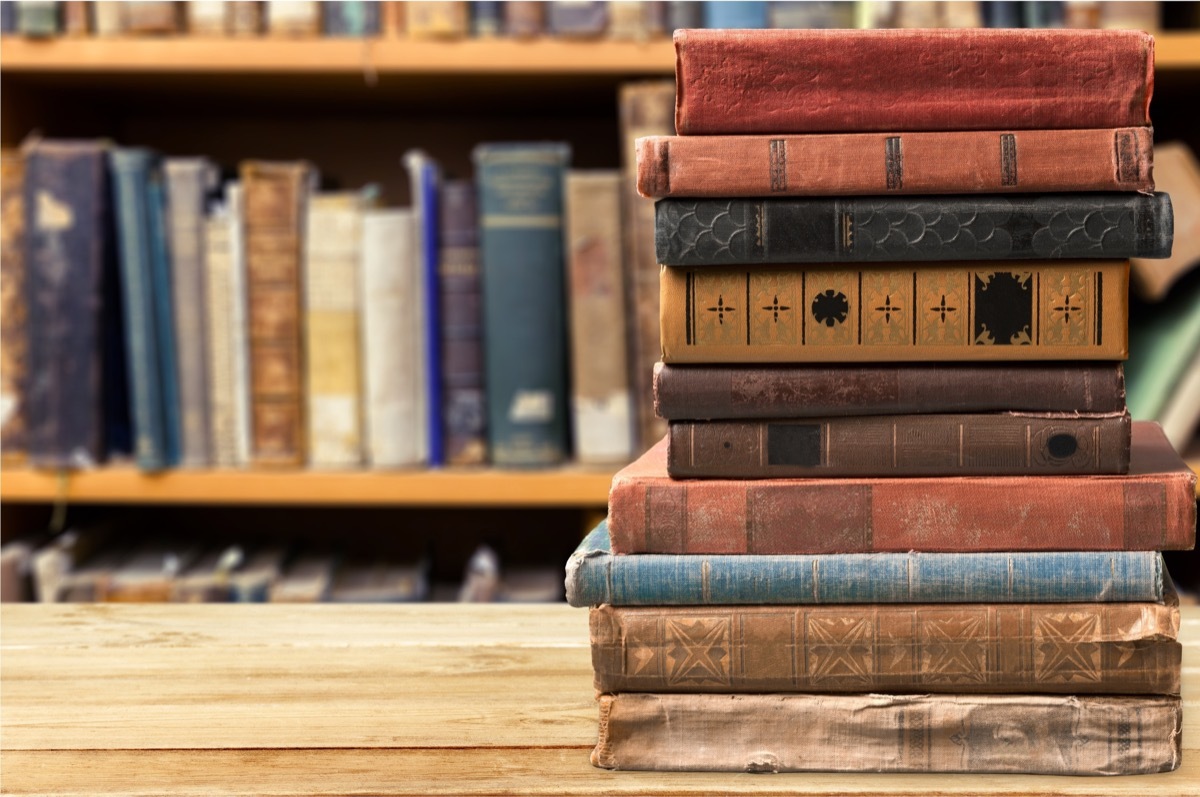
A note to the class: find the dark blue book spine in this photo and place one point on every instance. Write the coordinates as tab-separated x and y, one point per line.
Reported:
725	14
525	375
131	170
425	186
118	420
65	212
8	16
487	18
595	576
1002	13
164	318
576	18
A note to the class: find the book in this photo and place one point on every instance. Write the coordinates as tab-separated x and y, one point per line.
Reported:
8	17
1024	161
163	309
307	578
392	355
148	573
600	397
795	81
982	444
108	18
145	297
719	232
1161	345
522	19
75	18
740	14
703	392
151	17
1123	14
464	405
792	14
70	565
188	183
38	19
635	20
1040	310
576	18
1043	13
1048	734
1180	416
596	575
260	568
1007	14
275	195
293	18
521	247
683	14
354	18
14	332
644	109
424	314
332	254
69	271
363	579
208	578
245	17
487	18
208	17
1152	507
439	19
1072	648
1178	175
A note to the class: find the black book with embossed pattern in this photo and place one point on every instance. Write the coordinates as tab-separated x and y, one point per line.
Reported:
726	232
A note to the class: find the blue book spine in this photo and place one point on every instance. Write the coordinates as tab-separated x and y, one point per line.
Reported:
352	18
131	169
524	320
1002	13
425	185
487	18
1044	13
65	239
726	14
8	16
595	576
164	319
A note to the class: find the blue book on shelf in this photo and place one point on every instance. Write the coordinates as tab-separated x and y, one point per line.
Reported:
1003	13
487	17
8	16
424	178
130	186
595	576
524	320
350	18
164	317
725	14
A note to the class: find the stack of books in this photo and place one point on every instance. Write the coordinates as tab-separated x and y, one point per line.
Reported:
911	564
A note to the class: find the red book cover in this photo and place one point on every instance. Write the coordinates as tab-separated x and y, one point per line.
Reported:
1151	508
813	81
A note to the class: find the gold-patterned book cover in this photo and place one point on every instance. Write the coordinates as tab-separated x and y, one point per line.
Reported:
1030	310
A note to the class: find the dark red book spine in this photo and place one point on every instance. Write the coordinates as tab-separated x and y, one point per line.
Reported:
812	81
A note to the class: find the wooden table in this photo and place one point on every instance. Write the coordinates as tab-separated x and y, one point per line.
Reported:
433	699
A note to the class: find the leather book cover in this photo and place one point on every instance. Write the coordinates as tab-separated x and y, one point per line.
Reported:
1151	508
521	244
332	254
723	232
1002	310
980	734
275	196
595	575
981	444
464	407
189	182
1056	648
14	313
707	392
68	269
577	19
811	81
645	110
222	342
600	398
960	162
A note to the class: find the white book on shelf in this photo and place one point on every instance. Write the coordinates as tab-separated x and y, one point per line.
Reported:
393	350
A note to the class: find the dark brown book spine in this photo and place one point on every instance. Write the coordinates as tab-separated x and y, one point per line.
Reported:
275	200
996	444
1152	508
1056	648
14	331
701	392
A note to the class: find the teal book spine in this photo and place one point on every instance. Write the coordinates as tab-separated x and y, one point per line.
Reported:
131	170
595	577
521	249
164	317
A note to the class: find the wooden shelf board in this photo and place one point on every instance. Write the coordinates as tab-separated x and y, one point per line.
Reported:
571	487
303	56
1174	51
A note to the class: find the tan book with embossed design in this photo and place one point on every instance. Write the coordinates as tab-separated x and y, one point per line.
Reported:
1061	648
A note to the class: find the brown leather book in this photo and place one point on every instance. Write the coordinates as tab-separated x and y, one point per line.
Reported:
14	331
815	81
706	392
1046	734
980	444
274	205
645	109
1152	508
961	162
974	310
1057	648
